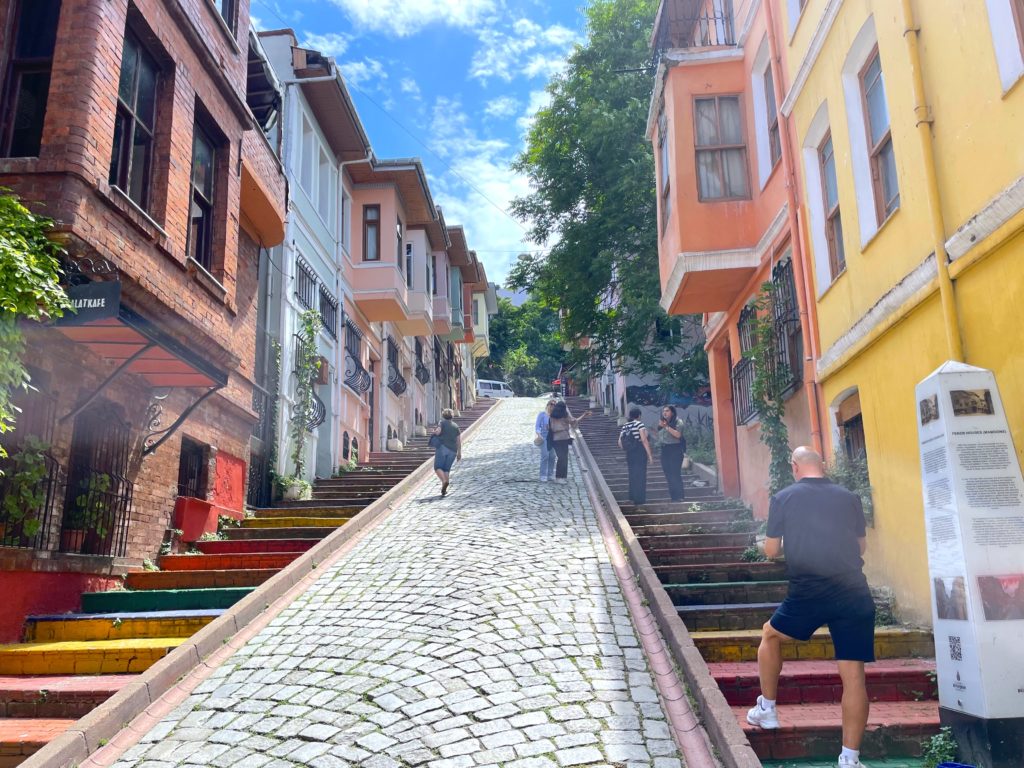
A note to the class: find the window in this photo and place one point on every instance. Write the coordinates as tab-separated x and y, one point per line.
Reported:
772	118
308	146
200	233
346	220
721	152
323	198
433	275
371	233
131	162
665	175
229	12
830	195
880	151
305	284
788	335
28	76
399	250
329	312
743	371
1006	26
1017	7
345	446
408	266
192	469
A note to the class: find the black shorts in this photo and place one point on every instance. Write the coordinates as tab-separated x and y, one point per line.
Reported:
849	614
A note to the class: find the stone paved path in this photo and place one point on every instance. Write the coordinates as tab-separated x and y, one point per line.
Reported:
483	629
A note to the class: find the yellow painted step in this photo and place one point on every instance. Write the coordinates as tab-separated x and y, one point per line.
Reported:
295	522
57	629
741	644
95	657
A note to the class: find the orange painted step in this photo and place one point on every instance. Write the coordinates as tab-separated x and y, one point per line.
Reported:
227	562
250	577
55	696
241	546
895	729
817	681
21	738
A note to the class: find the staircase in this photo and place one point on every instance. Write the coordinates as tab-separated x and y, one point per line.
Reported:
697	548
71	663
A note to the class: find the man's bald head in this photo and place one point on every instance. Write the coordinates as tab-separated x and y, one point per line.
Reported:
807	463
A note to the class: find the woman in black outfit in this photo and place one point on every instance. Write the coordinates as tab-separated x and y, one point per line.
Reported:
673	447
633	440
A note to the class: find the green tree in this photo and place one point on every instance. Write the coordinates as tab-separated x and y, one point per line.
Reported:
29	289
531	326
592	172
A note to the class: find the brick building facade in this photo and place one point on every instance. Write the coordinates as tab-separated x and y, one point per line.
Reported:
139	127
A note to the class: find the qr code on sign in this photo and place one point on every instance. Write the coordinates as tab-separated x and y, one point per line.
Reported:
955	651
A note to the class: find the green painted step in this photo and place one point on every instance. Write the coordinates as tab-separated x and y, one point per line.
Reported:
162	599
875	762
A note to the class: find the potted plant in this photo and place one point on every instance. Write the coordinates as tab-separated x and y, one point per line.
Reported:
294	489
88	522
25	492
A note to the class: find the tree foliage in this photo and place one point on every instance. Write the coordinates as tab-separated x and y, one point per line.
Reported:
29	289
524	347
592	172
768	388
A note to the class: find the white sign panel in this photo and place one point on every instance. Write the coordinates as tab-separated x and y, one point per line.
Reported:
974	522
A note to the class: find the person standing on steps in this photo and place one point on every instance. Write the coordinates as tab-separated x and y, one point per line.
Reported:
633	440
822	528
547	453
448	448
560	426
673	447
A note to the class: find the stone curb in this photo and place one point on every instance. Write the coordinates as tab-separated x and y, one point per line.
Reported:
112	724
726	735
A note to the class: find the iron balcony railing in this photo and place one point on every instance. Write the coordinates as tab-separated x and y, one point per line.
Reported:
422	373
29	502
742	395
264	404
687	24
97	514
396	381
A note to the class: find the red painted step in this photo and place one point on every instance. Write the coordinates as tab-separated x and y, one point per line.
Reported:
817	682
199	579
895	729
23	737
226	562
250	546
56	697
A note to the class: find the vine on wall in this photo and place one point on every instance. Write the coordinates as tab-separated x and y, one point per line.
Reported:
307	364
767	390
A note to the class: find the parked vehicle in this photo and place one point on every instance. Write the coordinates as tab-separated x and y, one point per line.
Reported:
487	388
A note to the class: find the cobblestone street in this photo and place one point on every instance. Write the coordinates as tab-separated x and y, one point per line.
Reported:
483	629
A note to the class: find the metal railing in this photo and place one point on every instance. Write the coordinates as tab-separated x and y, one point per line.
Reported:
97	514
422	373
682	26
742	395
259	491
396	381
28	506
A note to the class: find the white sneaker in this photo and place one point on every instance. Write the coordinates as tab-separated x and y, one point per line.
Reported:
763	718
845	762
561	480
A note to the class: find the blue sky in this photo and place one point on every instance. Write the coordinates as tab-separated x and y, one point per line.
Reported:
453	82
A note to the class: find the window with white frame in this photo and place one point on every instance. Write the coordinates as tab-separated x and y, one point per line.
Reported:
766	123
306	161
409	279
1006	22
323	193
872	152
830	207
346	220
826	226
665	176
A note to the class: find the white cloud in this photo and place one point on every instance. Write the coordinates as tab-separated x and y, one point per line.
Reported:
527	49
257	23
403	18
330	44
408	85
483	163
538	101
503	106
358	73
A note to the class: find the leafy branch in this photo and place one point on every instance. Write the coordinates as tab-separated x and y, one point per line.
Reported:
307	364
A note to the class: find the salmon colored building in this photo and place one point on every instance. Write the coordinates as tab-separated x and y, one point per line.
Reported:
727	217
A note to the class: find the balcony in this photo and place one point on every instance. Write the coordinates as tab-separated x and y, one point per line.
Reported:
458	328
689	24
442	316
380	292
420	321
709	281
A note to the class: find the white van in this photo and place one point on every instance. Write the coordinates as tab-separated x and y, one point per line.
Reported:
487	388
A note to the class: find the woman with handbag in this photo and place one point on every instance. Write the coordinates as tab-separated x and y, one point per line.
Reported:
560	426
447	443
540	439
673	448
633	440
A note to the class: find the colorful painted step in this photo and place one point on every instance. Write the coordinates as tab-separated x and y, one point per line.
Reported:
304	532
228	561
23	737
876	762
295	522
340	511
726	592
54	696
726	617
117	626
817	682
85	657
244	546
196	579
162	599
896	729
710	573
741	645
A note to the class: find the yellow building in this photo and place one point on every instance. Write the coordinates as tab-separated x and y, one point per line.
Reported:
911	150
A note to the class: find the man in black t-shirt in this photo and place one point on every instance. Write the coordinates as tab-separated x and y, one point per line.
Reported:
822	527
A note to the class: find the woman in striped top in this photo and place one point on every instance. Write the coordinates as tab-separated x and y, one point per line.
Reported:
633	440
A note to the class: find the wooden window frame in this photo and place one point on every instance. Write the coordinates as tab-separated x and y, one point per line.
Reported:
228	10
15	69
123	155
836	249
718	149
367	222
772	117
875	148
204	257
1017	9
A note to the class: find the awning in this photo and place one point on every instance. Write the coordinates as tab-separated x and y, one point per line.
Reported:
142	348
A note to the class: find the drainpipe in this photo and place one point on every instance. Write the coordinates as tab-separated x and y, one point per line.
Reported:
923	121
808	318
